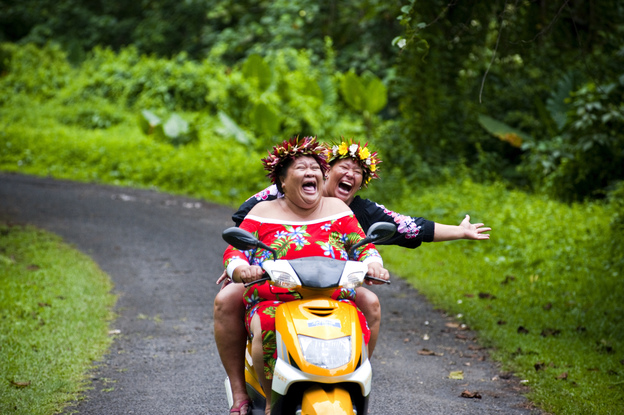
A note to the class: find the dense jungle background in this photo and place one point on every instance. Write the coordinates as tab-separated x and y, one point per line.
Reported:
510	110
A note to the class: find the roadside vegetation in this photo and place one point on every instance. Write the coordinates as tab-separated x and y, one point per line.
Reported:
55	308
545	295
511	113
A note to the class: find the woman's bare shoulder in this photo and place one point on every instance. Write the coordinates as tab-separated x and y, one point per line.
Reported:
263	209
334	205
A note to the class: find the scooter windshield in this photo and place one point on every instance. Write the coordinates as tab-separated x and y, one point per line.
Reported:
318	272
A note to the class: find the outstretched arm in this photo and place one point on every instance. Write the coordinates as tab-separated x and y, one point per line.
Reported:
465	230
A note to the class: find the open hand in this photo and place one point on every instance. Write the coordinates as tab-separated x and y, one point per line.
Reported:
474	230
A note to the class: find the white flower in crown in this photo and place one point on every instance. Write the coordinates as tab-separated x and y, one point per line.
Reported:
353	149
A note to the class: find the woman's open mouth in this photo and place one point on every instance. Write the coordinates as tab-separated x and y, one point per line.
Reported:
345	186
309	187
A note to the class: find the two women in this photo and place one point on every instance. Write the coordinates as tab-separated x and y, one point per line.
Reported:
302	223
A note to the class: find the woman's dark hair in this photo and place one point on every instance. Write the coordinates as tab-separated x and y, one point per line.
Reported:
280	171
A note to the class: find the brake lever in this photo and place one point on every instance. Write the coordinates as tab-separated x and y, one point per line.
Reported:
258	281
368	277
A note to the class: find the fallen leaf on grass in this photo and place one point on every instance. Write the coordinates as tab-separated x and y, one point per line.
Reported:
486	296
508	279
457	375
20	384
550	332
604	347
470	395
563	376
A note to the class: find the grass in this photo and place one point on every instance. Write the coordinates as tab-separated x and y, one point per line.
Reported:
544	294
55	305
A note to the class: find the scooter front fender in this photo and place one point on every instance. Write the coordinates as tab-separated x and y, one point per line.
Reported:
335	401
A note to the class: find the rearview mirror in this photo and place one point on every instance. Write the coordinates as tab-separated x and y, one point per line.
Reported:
377	233
244	240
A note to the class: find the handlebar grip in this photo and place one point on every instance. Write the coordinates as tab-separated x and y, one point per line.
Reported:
258	281
368	277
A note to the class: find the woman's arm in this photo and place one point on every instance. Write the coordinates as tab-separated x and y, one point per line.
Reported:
238	263
465	230
411	231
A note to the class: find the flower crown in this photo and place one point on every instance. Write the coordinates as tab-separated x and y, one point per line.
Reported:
291	149
350	149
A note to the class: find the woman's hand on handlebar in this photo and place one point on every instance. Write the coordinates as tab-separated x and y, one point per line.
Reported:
247	273
376	270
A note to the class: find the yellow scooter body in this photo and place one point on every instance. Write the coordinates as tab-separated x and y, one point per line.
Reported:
323	318
324	391
319	390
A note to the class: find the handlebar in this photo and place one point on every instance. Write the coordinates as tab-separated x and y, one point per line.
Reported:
267	278
368	277
259	280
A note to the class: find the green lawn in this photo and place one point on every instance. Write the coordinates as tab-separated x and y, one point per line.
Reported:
55	307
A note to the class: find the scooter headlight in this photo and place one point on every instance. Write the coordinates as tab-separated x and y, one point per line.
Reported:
284	279
328	354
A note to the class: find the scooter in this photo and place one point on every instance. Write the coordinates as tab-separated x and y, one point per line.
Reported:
322	361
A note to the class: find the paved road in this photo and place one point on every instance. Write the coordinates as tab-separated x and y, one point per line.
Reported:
163	254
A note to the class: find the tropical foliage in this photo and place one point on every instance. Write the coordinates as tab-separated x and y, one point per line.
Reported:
521	101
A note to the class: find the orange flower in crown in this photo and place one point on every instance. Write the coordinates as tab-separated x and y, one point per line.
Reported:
360	153
290	150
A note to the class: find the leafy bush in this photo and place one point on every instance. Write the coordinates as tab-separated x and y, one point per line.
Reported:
588	157
176	130
37	72
501	66
140	81
584	156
